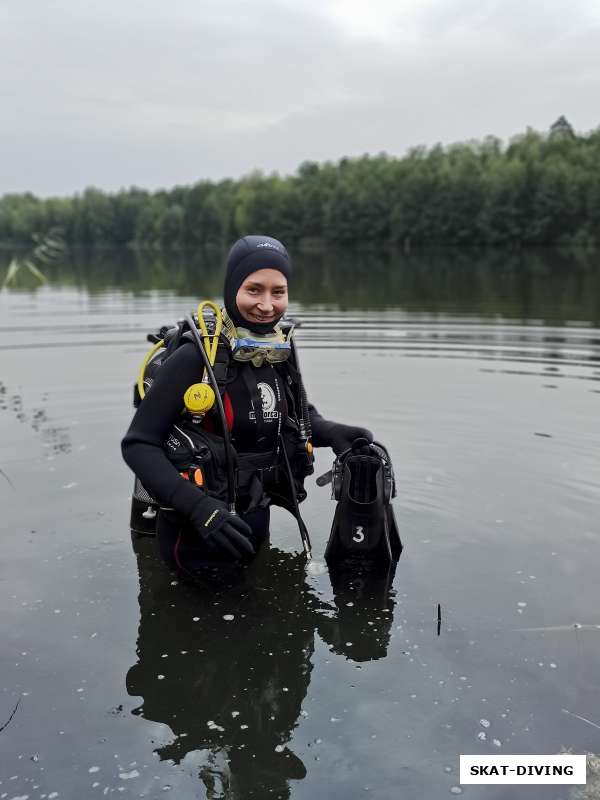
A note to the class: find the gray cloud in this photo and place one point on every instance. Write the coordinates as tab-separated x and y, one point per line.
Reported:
148	93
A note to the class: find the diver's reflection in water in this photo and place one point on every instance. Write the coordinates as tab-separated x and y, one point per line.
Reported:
226	664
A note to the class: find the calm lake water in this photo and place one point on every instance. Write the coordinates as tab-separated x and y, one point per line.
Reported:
481	374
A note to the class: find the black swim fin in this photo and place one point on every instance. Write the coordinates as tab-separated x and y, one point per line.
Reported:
364	525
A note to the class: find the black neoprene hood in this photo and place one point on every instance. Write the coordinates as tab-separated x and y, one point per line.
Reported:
248	255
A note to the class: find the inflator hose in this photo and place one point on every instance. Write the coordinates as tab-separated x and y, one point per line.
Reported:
304	413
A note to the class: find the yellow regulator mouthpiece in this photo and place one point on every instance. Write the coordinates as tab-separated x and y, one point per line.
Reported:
199	398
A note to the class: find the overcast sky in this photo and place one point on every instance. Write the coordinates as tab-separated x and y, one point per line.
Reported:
114	93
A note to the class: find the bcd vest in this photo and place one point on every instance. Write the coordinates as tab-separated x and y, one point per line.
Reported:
199	454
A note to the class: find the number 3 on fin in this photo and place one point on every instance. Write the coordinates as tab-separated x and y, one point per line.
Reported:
359	536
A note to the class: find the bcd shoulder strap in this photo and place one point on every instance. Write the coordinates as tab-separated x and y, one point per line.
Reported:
222	360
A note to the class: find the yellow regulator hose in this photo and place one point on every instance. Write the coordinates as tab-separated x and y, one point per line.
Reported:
145	362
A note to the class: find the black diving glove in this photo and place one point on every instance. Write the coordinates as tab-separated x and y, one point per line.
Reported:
226	532
337	435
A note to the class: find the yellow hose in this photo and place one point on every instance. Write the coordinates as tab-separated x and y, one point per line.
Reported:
210	347
142	372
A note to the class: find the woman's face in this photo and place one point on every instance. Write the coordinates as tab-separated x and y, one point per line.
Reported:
263	296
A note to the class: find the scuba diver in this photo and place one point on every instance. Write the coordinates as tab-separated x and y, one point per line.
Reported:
223	428
231	682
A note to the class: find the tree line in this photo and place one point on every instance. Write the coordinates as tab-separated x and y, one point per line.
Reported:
541	189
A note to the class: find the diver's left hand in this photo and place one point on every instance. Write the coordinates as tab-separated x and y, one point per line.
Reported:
342	436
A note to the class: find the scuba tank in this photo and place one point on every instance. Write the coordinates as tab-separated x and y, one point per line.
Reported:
364	526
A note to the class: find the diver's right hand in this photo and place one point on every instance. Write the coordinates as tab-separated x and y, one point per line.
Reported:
225	531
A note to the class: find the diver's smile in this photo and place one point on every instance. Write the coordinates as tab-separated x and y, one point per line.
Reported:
261	317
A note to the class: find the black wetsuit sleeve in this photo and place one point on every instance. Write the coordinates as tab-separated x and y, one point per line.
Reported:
143	444
337	435
320	427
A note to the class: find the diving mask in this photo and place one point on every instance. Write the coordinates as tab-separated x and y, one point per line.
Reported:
246	349
274	348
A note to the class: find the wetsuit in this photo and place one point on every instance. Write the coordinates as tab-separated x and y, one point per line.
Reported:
255	407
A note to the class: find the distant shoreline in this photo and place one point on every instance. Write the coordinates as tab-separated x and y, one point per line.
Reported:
540	190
